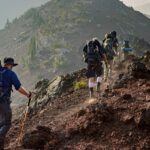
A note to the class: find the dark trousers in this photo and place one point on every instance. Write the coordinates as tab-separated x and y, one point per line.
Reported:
5	119
94	70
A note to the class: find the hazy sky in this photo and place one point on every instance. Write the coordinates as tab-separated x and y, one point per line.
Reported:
14	8
135	2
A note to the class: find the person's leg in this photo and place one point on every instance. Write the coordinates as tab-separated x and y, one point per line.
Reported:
99	72
106	70
5	121
99	80
2	117
111	65
124	56
91	86
91	77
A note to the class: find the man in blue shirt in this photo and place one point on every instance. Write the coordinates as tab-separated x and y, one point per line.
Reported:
8	78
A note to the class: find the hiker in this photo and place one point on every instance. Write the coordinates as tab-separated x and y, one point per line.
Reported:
115	42
8	78
93	56
126	49
108	45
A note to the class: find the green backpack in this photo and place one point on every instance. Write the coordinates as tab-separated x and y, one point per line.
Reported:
108	46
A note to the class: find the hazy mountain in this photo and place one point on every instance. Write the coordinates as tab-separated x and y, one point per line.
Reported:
48	40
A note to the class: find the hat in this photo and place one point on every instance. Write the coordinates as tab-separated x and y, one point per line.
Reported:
9	61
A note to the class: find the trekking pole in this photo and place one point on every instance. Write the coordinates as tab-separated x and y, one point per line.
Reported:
22	124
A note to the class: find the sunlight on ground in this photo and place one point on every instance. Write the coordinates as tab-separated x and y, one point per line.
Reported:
91	100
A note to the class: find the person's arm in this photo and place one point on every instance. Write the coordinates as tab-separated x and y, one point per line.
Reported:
18	86
84	52
24	92
85	49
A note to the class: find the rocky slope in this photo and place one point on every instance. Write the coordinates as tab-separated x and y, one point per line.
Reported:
64	118
59	30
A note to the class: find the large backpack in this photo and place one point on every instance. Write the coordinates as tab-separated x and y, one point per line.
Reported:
108	46
2	90
92	54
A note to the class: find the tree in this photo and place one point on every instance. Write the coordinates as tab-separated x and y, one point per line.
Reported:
7	23
32	49
32	53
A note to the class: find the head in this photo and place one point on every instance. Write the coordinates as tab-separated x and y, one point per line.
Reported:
126	42
95	40
90	44
114	33
9	63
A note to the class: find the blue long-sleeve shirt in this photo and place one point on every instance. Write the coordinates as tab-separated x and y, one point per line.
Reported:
9	79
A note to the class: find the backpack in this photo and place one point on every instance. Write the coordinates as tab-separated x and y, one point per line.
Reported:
108	46
2	90
92	54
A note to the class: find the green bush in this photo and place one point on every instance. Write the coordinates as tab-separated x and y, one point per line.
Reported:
58	62
80	84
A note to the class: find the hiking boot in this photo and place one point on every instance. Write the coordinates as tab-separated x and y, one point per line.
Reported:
91	92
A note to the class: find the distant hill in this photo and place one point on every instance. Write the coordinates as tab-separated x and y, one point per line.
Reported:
48	40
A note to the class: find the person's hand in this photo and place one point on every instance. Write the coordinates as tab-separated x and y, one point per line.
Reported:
30	94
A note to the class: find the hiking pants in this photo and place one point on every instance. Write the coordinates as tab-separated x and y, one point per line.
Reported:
5	120
94	71
108	71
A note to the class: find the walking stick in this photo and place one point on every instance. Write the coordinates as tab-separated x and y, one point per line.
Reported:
22	124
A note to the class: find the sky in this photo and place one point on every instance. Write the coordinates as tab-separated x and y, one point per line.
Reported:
10	9
135	3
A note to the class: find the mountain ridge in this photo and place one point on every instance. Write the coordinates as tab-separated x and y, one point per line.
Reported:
144	8
56	32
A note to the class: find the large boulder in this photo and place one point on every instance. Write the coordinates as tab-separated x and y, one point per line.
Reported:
46	91
138	70
121	81
54	87
37	138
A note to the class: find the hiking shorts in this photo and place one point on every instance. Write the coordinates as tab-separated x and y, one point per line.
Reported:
5	119
94	70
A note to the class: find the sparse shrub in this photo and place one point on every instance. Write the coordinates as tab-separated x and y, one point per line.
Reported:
80	84
59	62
